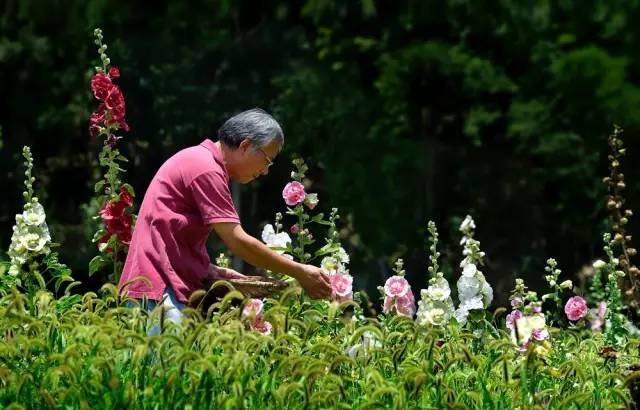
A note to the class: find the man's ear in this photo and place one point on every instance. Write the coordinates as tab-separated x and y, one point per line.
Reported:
245	145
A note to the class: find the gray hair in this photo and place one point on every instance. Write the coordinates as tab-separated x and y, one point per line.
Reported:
255	125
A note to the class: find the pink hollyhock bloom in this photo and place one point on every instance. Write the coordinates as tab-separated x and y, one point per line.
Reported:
293	193
536	309
387	305
396	286
261	326
511	318
515	302
100	85
576	308
294	229
114	72
406	305
598	319
540	334
252	309
341	285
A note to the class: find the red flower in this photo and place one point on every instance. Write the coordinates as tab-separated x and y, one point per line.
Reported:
114	99
100	85
116	220
126	197
114	72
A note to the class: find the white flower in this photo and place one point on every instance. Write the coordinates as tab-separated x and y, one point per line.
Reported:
468	287
342	255
466	261
35	215
275	240
434	317
487	293
567	284
599	264
472	304
329	264
467	223
461	315
526	325
14	270
439	290
469	270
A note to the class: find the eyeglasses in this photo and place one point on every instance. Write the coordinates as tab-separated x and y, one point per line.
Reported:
269	161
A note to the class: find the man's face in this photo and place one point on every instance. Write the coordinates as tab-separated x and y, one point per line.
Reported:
255	161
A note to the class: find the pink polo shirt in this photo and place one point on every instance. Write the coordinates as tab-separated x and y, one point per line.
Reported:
189	192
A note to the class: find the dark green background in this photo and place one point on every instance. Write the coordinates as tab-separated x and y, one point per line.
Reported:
405	111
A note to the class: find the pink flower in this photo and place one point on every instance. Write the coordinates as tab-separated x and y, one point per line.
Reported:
598	316
341	286
294	229
406	305
515	302
293	193
536	308
576	308
261	326
114	72
540	334
396	286
403	305
252	309
512	317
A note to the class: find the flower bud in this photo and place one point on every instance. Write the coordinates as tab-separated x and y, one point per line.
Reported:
611	204
632	251
621	185
628	212
567	284
599	264
624	220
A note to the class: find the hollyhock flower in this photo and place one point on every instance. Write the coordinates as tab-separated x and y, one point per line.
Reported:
461	315
472	304
311	200
293	193
540	334
294	229
275	240
252	309
597	316
515	302
261	326
34	216
469	270
576	308
125	197
536	308
100	86
512	317
114	72
526	325
111	140
396	286
467	223
406	305
341	285
115	100
468	287
599	264
439	290
341	255
487	293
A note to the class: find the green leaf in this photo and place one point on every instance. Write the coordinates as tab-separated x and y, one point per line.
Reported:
99	185
96	264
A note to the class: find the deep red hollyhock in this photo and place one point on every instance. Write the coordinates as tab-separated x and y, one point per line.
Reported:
115	100
114	72
100	85
112	210
125	197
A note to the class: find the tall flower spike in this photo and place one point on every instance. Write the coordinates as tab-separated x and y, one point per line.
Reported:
474	291
436	306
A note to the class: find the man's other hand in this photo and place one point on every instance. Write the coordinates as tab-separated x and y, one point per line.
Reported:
315	282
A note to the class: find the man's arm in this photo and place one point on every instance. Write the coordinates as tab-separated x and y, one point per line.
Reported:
251	250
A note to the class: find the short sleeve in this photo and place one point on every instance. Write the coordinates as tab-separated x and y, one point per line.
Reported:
211	194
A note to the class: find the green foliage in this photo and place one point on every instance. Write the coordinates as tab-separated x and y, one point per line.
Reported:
98	355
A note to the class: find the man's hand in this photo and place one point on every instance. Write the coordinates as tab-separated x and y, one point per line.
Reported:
218	273
315	282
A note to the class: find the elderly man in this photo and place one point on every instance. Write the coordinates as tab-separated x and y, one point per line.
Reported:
188	197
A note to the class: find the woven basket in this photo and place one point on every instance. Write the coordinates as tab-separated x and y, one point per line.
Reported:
252	287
